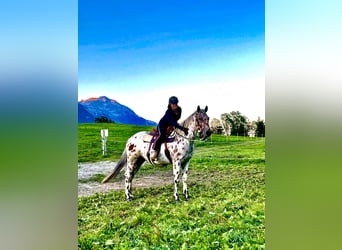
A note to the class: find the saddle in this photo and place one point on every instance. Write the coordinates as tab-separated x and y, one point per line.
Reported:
152	136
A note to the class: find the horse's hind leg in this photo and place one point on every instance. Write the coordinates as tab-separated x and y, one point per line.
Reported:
185	177
176	169
128	181
133	166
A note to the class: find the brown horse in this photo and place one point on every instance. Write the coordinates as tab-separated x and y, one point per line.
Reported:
178	152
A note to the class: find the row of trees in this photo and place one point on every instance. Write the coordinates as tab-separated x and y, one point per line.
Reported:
234	123
103	119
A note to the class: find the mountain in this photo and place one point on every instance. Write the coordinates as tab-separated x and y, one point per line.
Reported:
84	116
92	108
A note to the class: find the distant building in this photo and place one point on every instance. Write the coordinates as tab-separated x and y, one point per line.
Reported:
251	133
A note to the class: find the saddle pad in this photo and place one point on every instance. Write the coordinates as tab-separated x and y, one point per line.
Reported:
147	138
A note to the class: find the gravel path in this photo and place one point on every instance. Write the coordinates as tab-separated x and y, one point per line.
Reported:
87	170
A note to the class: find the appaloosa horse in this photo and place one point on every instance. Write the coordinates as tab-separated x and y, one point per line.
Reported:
178	152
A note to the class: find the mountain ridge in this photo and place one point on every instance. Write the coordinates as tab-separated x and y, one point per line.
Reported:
96	107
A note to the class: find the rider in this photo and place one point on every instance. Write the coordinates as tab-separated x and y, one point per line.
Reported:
172	115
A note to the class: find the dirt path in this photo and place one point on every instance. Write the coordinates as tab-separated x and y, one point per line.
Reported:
87	170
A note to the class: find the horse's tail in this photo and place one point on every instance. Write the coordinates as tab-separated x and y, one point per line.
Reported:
122	162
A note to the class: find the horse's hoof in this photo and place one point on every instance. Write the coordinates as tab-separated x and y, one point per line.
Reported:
130	198
186	195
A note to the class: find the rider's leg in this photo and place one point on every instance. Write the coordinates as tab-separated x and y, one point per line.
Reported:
158	143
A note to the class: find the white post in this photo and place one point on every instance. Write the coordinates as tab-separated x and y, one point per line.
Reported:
104	135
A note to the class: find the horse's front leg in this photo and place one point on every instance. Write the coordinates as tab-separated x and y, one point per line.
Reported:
176	169
185	177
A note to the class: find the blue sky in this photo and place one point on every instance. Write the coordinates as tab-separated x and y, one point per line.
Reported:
205	52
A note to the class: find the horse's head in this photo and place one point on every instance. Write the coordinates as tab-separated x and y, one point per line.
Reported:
202	122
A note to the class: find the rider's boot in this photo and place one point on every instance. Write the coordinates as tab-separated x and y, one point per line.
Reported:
154	157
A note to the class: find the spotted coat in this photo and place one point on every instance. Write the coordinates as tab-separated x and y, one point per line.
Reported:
137	151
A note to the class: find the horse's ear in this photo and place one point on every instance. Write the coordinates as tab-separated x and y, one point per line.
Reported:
206	109
198	108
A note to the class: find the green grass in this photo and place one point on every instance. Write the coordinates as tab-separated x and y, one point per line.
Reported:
90	142
226	211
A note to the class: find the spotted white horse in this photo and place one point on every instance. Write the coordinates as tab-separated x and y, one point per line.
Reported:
178	153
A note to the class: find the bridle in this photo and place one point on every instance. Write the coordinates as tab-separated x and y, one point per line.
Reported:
200	125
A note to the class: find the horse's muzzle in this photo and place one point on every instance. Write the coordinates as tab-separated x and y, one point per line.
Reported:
206	134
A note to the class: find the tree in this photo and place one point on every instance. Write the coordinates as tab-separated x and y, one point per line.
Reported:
237	122
216	126
260	128
103	119
227	127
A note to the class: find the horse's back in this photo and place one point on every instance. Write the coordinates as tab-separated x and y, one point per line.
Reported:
137	139
138	136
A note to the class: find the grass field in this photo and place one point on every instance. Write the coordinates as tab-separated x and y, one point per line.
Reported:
226	211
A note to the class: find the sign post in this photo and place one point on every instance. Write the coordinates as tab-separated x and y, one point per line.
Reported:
104	135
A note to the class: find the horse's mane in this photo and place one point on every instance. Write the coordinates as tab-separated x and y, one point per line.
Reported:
187	121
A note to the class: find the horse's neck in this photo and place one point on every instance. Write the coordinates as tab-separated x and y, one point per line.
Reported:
190	123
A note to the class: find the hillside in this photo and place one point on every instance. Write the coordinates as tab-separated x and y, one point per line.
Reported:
92	108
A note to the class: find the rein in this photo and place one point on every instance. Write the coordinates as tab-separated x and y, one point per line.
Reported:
187	126
176	131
